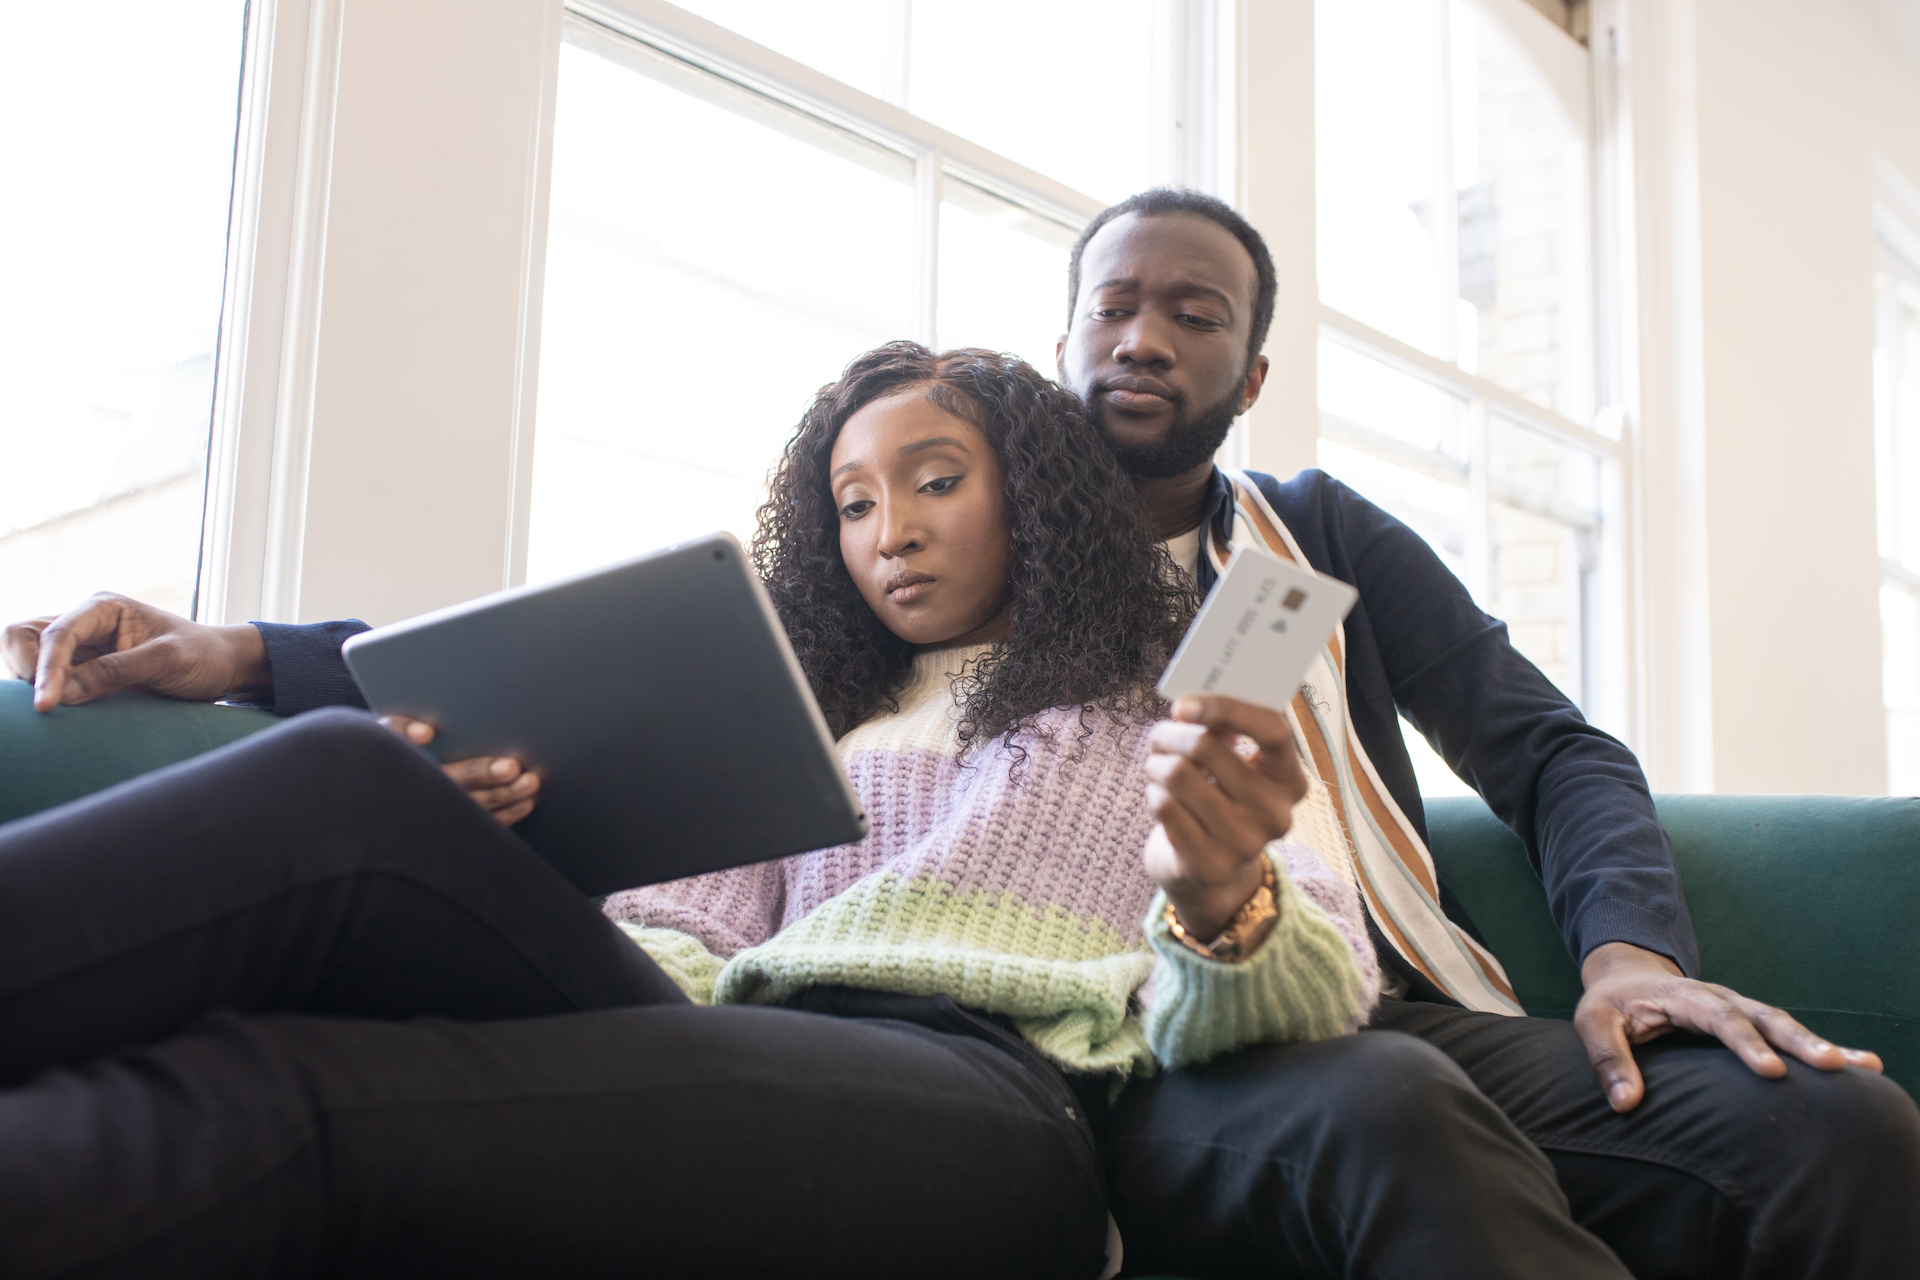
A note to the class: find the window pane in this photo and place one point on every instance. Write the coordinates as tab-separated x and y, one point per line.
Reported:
706	274
856	41
1377	165
1003	276
116	139
1063	87
1515	162
1900	649
1366	393
1542	542
1435	509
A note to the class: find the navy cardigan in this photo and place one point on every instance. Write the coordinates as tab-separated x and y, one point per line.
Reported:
1417	646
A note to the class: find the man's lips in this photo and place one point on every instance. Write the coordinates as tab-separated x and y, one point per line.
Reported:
906	586
1137	395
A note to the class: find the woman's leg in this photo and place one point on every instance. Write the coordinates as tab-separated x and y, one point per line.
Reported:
324	866
659	1140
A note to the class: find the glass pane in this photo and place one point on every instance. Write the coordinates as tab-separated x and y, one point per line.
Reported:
1003	276
1900	655
116	139
1899	357
1378	166
706	274
1543	538
1515	162
1368	394
859	42
1062	87
1435	509
1532	470
1429	770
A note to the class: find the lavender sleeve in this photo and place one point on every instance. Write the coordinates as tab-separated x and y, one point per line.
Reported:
726	911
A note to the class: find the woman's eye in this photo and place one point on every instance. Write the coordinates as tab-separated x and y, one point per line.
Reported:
854	510
940	485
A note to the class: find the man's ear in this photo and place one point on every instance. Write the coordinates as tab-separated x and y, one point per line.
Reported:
1060	359
1256	378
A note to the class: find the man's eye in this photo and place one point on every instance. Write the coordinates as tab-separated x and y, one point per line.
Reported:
854	510
1204	322
1109	313
940	485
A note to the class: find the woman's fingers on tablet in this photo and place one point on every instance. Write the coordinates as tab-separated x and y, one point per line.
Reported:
418	732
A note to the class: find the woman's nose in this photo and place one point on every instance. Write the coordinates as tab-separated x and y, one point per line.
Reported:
899	534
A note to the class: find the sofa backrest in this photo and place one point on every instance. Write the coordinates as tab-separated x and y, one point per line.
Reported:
1810	903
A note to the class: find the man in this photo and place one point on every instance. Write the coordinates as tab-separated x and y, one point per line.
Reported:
1453	1138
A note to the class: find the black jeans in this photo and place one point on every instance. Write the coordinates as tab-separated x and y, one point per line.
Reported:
1439	1139
214	1061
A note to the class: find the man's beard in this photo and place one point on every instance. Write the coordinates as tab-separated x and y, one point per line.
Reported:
1186	444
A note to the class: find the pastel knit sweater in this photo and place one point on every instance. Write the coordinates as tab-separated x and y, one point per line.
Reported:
1014	886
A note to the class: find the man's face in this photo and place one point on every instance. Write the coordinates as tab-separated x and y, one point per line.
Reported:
1157	347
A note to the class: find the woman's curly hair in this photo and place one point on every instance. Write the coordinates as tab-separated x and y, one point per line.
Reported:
1095	606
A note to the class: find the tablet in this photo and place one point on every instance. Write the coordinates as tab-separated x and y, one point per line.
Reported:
658	698
1258	632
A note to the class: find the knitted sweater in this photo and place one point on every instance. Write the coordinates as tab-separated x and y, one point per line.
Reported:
1013	885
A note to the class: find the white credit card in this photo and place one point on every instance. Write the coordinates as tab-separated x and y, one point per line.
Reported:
1258	632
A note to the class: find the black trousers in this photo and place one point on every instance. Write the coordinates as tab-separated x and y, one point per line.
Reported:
298	1008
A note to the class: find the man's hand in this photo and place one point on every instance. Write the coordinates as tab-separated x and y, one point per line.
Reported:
1218	800
1634	995
498	784
110	642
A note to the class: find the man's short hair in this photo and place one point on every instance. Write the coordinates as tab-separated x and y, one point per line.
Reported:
1161	201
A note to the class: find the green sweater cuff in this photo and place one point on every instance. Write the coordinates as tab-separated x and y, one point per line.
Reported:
1302	984
684	958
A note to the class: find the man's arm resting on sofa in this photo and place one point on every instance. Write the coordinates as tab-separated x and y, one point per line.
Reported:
110	643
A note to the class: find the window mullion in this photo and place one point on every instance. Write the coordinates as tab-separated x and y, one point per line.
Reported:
1479	514
929	174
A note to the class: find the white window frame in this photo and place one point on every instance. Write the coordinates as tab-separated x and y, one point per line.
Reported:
1896	218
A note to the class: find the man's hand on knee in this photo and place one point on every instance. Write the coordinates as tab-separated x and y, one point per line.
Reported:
1634	995
499	784
110	642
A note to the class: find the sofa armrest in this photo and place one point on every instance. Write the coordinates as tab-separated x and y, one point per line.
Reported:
69	752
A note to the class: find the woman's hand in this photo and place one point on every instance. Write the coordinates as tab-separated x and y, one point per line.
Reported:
497	784
1219	800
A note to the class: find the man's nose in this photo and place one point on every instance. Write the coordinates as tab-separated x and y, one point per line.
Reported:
1144	341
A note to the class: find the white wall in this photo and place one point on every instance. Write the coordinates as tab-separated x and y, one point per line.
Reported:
1792	97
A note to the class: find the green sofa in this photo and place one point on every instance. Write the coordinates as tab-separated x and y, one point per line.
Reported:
1811	903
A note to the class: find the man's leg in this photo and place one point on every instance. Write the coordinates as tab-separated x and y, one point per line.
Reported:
323	866
1367	1155
1718	1172
661	1140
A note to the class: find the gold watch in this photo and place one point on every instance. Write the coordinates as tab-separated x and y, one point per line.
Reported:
1245	932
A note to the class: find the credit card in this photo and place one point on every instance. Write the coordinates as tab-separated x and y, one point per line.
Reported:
1258	631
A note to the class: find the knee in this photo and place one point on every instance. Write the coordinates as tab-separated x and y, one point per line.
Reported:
1395	1088
1854	1126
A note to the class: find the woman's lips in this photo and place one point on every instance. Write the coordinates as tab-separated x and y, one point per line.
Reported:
905	588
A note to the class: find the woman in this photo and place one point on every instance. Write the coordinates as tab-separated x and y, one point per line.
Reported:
982	634
212	1054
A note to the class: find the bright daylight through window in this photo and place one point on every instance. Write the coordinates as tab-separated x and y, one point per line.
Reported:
1455	382
116	138
715	255
1897	416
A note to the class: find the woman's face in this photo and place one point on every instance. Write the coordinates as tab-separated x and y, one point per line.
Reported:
923	521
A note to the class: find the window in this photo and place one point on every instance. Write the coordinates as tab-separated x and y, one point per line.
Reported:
1456	354
118	143
1896	380
692	308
